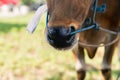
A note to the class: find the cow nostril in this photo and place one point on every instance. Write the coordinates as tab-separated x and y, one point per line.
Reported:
69	30
70	37
51	32
72	28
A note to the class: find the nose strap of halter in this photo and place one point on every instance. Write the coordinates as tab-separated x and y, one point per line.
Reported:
91	21
84	29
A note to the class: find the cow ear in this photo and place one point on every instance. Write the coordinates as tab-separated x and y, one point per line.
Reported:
36	18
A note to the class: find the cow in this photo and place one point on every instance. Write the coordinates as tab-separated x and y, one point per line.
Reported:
67	16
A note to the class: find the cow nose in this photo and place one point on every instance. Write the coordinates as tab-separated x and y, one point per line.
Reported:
54	32
60	37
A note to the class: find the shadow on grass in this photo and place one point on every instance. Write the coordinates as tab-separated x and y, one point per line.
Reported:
7	27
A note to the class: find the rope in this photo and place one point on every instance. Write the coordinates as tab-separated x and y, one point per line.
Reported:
81	30
108	31
99	45
94	10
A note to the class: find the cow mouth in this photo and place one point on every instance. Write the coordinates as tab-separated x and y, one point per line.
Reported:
62	43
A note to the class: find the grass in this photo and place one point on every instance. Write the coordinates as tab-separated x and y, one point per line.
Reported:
29	57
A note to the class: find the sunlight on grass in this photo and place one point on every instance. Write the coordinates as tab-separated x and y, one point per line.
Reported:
29	57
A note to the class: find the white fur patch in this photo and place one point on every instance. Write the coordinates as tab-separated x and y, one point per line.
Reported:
80	65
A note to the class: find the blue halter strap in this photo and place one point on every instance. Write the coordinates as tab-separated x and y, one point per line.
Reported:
89	23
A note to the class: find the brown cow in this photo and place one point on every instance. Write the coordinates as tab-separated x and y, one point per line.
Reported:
66	16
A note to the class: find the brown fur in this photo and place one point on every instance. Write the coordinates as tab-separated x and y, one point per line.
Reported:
74	12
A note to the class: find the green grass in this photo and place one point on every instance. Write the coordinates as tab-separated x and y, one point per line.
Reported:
29	57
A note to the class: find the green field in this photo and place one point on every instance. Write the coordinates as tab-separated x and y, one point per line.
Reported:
25	56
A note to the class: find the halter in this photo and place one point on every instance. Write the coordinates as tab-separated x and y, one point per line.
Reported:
92	24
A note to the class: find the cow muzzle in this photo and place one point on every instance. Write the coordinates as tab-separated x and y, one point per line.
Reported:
60	38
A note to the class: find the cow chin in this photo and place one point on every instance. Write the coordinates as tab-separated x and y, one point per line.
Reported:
62	43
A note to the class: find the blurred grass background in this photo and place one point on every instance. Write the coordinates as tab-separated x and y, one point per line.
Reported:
29	57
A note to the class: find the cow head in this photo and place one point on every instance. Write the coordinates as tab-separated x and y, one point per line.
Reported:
65	16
